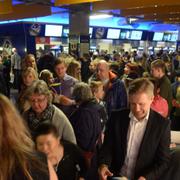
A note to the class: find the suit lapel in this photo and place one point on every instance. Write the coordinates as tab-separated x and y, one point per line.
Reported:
124	135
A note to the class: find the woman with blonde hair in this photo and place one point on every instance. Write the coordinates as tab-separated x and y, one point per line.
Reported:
28	76
74	69
29	61
17	155
55	88
97	90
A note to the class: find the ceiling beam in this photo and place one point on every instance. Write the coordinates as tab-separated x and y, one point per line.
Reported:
69	2
161	16
172	22
5	7
26	11
150	10
122	4
162	19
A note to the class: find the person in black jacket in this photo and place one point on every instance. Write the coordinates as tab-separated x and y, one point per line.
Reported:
46	62
86	122
136	143
65	156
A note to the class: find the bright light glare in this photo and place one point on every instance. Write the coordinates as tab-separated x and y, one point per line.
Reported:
100	16
132	20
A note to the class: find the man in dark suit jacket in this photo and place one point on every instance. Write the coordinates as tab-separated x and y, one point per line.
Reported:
136	143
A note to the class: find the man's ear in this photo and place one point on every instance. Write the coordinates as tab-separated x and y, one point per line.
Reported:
152	97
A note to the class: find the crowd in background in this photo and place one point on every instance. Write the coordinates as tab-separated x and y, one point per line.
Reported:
67	100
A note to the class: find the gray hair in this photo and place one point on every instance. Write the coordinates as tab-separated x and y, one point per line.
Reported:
41	88
82	92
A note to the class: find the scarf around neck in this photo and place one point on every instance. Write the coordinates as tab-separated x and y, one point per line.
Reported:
45	117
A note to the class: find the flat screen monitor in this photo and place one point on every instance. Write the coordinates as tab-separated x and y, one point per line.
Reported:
174	37
136	35
125	34
90	31
158	36
99	33
53	30
167	37
113	33
65	32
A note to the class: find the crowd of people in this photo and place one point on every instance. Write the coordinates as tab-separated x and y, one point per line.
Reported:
97	116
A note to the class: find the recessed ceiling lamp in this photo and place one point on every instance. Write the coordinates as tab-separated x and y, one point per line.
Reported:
131	20
100	16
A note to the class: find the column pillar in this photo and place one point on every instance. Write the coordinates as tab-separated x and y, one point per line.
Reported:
146	46
79	29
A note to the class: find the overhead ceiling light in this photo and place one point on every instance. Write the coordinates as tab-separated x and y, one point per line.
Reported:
100	16
131	20
174	13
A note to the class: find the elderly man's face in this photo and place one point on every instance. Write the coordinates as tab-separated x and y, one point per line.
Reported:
38	102
140	104
102	71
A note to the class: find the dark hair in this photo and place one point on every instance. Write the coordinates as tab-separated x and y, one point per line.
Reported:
45	129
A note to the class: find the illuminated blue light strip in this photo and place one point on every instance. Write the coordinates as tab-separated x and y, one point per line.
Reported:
115	22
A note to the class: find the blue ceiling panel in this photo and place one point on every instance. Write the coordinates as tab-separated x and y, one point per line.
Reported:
61	16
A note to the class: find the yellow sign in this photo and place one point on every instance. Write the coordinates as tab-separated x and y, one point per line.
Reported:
5	6
64	2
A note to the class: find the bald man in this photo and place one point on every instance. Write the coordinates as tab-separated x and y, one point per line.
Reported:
115	92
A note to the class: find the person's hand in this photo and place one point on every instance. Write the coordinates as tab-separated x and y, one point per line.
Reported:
175	103
102	137
81	178
141	178
104	172
52	173
172	145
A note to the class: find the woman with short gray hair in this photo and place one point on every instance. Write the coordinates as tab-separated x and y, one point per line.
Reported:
40	87
82	92
42	111
86	121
